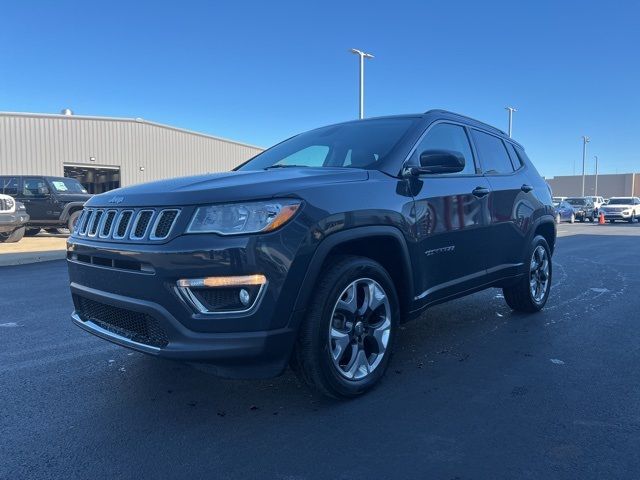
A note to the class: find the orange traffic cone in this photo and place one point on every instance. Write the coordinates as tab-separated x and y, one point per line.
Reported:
601	218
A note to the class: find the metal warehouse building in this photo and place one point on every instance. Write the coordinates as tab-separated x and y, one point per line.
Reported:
105	153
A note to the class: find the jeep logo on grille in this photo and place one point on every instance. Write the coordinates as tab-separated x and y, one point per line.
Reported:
116	199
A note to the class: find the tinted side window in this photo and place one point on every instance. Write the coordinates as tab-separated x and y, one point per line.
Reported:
446	136
9	185
492	152
34	187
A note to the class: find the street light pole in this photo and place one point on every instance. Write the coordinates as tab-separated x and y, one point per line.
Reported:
510	110
596	189
585	140
362	56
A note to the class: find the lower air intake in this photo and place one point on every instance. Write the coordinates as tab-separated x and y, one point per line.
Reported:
135	326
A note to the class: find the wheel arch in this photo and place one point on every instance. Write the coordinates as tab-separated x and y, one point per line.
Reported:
70	208
546	227
384	244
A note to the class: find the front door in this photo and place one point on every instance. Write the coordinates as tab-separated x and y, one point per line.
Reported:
452	216
36	197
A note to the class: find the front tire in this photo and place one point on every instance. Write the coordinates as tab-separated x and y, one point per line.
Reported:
573	218
344	344
71	223
531	292
632	219
12	237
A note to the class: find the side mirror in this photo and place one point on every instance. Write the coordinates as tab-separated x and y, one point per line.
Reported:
43	191
439	161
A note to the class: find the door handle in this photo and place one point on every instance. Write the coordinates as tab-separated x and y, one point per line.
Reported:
480	192
526	188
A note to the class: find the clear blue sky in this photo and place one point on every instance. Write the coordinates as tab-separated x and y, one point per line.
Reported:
261	71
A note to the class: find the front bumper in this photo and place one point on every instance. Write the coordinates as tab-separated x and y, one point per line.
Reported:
616	215
10	221
134	285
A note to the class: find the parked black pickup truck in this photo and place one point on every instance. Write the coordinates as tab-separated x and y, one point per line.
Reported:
315	250
51	202
13	217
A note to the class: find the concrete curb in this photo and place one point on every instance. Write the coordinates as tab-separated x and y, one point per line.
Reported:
22	258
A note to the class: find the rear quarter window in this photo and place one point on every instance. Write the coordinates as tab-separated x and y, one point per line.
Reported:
493	153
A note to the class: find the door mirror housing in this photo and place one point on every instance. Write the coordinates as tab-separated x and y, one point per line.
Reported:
439	161
43	191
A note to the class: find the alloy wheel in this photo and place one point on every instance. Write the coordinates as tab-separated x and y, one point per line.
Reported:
360	329
539	274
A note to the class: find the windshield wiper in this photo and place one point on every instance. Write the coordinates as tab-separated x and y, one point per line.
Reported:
280	165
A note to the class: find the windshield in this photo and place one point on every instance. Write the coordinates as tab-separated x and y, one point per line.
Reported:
67	185
621	201
354	145
576	201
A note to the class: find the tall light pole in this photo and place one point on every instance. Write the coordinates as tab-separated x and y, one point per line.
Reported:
362	56
511	110
596	189
585	140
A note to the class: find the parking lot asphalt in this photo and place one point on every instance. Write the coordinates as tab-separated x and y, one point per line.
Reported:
473	391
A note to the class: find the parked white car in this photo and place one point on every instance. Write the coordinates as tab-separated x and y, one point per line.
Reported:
622	208
597	201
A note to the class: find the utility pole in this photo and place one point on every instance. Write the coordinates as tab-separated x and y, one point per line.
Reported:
585	140
362	56
510	110
596	189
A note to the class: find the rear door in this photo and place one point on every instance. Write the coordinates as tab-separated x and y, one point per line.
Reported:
511	203
451	213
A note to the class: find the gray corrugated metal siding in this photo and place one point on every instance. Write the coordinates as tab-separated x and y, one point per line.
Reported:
41	144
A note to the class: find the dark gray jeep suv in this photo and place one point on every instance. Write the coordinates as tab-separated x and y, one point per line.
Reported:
314	251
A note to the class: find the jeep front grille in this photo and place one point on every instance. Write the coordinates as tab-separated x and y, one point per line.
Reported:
127	223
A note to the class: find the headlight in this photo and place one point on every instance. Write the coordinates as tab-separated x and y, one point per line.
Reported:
240	218
10	203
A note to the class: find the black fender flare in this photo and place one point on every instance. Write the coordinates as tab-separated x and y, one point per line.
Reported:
64	216
332	241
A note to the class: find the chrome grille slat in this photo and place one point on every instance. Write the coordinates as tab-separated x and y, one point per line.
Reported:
107	225
165	220
127	224
141	224
123	224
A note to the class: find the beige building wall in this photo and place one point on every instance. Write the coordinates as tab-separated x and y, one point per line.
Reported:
42	144
609	185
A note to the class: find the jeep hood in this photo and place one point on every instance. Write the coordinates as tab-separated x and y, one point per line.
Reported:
226	187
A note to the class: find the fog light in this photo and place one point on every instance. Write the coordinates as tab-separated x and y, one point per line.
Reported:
245	298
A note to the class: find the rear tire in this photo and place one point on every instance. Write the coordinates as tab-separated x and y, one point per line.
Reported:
12	237
531	292
31	232
345	342
558	218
